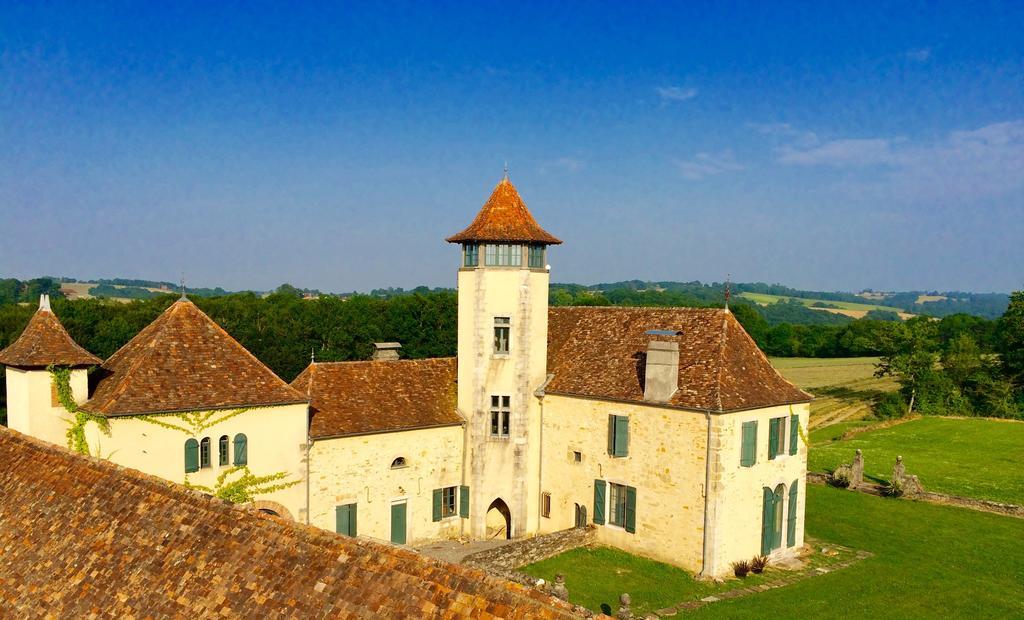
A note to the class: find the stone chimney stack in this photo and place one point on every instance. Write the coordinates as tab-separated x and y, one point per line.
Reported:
661	376
386	351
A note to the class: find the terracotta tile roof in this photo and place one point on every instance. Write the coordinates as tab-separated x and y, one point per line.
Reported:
352	398
83	537
184	361
504	217
600	352
45	342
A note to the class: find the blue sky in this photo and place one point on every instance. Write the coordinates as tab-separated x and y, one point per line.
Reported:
334	146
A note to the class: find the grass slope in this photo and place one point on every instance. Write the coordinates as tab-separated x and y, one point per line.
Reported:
843	387
931	562
973	457
764	299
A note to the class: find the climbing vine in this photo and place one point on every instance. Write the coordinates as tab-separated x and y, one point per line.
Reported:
800	430
243	489
61	377
194	422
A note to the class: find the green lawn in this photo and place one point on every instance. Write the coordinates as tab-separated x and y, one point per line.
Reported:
971	457
930	562
833	432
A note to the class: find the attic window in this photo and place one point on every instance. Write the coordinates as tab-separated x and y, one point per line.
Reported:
399	463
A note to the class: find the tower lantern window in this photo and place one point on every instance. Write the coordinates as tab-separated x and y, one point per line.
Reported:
536	258
503	255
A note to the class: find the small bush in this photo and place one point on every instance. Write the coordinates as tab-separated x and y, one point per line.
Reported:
890	405
759	563
839	479
893	489
741	568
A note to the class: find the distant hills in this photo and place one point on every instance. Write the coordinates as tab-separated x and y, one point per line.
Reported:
776	302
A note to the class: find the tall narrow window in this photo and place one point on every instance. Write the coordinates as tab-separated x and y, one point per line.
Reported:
471	254
204	453
501	409
444	503
536	257
241	449
491	254
191	456
515	255
502	330
222	450
748	450
622	506
545	505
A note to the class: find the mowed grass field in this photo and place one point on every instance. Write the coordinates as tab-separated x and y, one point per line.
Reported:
930	562
843	387
973	457
849	308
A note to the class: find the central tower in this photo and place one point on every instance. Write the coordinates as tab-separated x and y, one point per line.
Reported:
502	358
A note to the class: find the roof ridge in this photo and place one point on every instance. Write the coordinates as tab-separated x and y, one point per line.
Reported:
147	352
721	362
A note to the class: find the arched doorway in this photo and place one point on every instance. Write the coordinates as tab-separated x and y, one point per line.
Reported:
581	515
499	520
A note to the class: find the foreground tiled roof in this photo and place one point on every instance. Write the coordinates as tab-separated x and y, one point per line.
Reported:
45	342
184	361
352	398
600	352
82	537
504	217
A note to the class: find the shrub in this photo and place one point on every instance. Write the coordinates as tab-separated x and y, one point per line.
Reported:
741	568
759	563
840	478
890	405
893	488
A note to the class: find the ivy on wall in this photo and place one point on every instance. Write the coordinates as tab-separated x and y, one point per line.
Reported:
193	423
246	487
61	377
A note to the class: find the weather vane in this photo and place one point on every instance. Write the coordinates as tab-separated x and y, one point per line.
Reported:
506	171
183	285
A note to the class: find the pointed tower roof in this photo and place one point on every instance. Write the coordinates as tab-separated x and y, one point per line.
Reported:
184	361
504	218
45	342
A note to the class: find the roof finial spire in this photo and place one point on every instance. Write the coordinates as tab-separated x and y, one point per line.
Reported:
728	293
506	170
44	303
312	355
183	286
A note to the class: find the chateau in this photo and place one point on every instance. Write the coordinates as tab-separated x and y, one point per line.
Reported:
665	428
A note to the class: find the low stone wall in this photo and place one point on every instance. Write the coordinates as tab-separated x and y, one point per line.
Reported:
508	558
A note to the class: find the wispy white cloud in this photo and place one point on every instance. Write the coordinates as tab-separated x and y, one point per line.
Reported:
704	165
562	164
983	162
921	54
676	93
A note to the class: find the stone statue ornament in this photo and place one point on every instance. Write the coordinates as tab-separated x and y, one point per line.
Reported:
857	469
906	484
559	590
624	612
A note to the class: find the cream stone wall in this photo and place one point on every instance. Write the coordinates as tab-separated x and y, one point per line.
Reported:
357	470
667	452
507	468
276	438
738	491
31	405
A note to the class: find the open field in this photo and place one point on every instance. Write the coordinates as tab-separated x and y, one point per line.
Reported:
930	561
843	387
80	290
849	308
973	457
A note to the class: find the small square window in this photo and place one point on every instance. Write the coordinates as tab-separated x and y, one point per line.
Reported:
448	502
577	457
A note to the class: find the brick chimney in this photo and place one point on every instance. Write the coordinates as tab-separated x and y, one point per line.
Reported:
661	376
386	351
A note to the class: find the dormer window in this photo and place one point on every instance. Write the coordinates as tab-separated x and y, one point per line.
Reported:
399	463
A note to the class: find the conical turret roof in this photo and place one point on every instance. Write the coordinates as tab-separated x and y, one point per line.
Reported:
45	342
504	218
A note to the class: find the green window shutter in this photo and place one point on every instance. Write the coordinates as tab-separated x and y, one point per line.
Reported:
631	510
464	502
791	522
621	436
241	449
345	519
191	456
773	437
794	433
748	447
600	488
767	521
437	505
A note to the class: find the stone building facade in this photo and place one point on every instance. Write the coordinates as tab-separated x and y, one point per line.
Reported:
666	428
